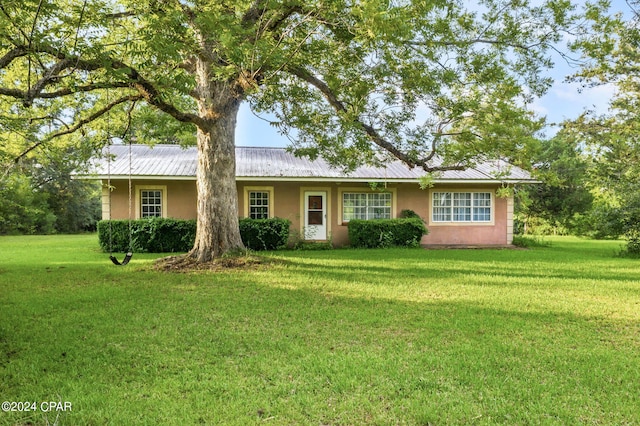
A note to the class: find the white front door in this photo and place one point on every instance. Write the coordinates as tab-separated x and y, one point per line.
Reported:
315	215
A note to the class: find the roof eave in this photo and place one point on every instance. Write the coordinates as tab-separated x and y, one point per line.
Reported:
313	179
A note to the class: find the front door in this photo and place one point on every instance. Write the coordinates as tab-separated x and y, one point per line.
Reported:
315	215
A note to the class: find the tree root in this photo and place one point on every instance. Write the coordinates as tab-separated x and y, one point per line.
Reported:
186	263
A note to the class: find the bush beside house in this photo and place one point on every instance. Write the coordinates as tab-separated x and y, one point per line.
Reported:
264	234
386	232
155	235
158	235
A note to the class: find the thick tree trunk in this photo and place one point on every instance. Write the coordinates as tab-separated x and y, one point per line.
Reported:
217	223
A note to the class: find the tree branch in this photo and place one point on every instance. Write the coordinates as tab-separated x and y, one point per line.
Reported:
52	75
33	29
257	15
79	124
129	119
463	43
5	13
21	94
371	132
9	57
83	89
135	80
120	15
254	13
150	94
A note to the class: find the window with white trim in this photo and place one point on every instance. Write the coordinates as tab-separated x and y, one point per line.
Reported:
482	207
374	205
150	203
259	204
461	207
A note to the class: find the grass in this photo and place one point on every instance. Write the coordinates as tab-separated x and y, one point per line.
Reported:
549	335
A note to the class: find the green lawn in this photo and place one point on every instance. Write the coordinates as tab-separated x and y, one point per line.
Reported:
344	337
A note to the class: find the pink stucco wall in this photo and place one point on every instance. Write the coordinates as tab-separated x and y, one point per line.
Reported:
287	203
477	234
181	198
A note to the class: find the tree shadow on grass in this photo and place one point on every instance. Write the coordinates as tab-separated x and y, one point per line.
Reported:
497	271
300	355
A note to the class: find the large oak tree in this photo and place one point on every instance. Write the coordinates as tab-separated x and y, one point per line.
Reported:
430	82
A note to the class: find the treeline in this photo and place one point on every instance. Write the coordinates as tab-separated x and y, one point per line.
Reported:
590	186
44	199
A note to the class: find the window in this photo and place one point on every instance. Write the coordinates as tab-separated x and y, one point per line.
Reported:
442	207
482	207
259	204
375	205
461	207
150	203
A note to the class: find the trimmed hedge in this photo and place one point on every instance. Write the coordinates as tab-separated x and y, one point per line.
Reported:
113	235
264	234
378	233
153	235
159	235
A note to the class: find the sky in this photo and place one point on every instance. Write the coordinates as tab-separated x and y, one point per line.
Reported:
563	101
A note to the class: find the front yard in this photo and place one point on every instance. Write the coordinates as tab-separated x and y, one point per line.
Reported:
400	336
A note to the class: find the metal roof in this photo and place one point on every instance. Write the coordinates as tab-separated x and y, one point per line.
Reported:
257	163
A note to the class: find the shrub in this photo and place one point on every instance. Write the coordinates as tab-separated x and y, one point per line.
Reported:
23	210
264	234
159	235
113	235
312	245
409	214
602	222
632	249
153	235
386	232
529	241
631	224
536	225
297	242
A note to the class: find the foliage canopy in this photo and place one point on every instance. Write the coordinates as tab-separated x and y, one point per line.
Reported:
409	78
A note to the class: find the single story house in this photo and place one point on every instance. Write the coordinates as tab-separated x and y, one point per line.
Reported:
461	208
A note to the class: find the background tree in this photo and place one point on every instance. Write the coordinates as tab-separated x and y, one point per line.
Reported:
558	204
612	141
431	83
37	193
40	197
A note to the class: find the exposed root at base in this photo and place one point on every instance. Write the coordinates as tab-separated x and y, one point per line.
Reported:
186	263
